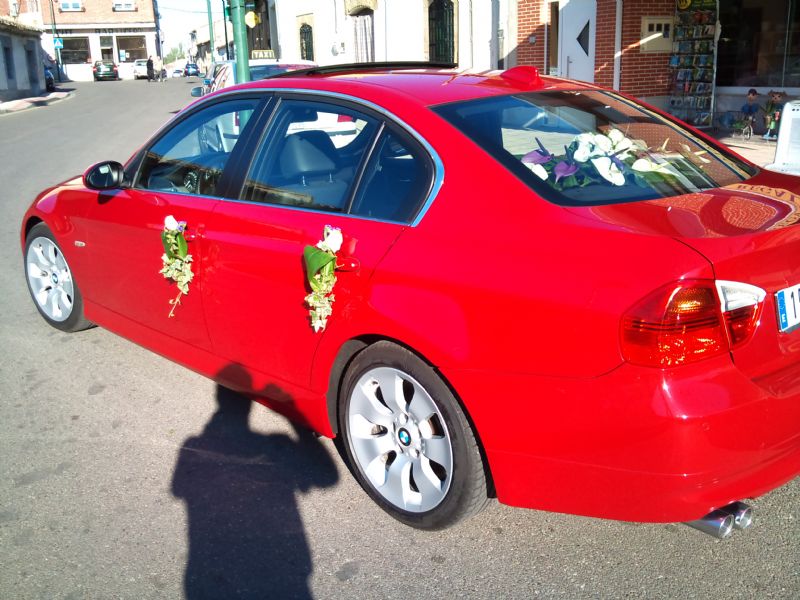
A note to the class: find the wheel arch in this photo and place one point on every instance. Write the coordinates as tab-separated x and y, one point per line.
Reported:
354	346
30	224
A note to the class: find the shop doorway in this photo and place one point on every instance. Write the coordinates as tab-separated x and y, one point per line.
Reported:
576	38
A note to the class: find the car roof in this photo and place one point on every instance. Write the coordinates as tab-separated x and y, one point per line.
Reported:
420	84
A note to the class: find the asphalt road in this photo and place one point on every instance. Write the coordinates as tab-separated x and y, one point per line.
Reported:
123	475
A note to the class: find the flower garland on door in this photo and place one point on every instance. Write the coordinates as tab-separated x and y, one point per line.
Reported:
320	262
176	260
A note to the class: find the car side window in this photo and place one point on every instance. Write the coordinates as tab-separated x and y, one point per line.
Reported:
311	156
191	156
396	181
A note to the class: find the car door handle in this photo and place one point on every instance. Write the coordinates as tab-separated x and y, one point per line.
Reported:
191	235
348	263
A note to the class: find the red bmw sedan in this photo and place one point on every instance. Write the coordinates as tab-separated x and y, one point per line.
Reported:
486	285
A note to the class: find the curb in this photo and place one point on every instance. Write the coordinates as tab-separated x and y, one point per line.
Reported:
21	104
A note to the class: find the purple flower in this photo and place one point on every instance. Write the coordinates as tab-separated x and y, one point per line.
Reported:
538	157
565	169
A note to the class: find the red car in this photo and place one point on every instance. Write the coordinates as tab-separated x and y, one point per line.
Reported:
486	285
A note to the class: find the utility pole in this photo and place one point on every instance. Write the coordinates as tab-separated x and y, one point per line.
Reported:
240	41
211	42
55	35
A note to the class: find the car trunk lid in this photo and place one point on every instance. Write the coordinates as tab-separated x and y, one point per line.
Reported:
749	232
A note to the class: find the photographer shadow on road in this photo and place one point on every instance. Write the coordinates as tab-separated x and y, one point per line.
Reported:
246	537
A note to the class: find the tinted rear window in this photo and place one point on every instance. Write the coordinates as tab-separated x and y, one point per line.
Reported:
592	147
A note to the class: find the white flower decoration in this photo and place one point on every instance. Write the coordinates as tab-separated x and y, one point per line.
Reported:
538	170
608	170
332	239
171	223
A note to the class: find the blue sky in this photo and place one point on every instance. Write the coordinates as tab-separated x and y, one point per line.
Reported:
179	17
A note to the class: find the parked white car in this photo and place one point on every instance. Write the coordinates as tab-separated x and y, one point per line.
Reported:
140	68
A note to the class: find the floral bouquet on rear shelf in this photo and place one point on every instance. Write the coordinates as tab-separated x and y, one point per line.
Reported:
176	260
604	157
320	261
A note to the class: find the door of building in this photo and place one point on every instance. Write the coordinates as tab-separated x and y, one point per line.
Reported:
576	35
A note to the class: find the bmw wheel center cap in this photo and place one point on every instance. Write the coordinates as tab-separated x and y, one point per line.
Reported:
404	437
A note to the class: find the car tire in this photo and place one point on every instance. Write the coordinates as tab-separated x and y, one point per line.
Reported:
407	440
50	282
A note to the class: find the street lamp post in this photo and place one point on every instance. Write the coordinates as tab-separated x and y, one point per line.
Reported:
55	34
225	29
211	42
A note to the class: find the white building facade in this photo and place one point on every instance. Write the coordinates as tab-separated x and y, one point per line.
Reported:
474	34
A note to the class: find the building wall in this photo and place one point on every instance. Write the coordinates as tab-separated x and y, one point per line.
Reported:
99	11
642	74
22	79
97	19
400	30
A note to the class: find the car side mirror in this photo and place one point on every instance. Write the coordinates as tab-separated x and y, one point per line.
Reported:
197	91
106	175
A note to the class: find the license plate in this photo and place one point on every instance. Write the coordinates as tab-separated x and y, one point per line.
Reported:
788	303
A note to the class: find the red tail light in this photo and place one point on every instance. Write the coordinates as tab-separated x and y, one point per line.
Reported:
687	321
344	119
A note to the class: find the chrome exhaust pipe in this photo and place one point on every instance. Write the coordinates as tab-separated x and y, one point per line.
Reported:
718	524
742	514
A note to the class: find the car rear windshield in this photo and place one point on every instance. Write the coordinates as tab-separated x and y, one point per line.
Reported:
593	147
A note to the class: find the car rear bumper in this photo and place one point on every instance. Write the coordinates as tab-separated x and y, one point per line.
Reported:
636	444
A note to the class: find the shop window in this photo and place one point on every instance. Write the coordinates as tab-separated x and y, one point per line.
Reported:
75	50
71	5
131	48
759	43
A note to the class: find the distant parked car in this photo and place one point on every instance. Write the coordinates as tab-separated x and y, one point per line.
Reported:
105	69
191	70
140	68
177	73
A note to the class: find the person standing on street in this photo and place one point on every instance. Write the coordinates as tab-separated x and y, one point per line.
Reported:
159	69
150	71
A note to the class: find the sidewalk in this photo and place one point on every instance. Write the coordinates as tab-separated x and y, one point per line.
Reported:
25	103
756	149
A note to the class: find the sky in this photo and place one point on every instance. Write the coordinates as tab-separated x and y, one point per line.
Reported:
179	17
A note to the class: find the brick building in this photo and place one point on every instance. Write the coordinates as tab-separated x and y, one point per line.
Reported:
92	30
695	58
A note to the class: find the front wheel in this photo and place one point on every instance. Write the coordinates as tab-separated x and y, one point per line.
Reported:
407	440
50	282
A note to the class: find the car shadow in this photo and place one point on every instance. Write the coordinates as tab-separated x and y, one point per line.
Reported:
246	537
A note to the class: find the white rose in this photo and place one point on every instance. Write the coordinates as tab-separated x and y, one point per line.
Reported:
171	224
333	238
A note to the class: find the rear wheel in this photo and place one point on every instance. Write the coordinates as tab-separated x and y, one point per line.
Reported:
407	440
50	282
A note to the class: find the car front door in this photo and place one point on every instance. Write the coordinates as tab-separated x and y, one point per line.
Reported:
320	164
180	175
